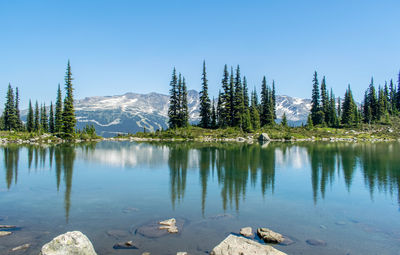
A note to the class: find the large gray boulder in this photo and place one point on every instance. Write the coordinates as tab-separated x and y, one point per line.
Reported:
264	138
234	245
70	243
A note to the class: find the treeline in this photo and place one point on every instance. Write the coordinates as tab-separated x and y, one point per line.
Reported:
60	120
377	106
233	108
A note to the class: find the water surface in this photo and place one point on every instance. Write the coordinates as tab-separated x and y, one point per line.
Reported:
344	194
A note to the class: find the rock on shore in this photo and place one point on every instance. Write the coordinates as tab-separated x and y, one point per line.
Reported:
70	243
234	245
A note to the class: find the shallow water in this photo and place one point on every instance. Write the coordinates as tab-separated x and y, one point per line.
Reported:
344	194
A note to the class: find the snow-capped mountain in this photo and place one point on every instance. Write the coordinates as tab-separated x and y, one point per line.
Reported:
132	112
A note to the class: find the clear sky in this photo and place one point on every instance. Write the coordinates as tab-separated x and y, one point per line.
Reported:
132	46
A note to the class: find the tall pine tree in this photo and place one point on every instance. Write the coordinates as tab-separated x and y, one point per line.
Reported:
316	115
173	102
51	118
30	118
58	112
36	124
9	115
68	115
205	104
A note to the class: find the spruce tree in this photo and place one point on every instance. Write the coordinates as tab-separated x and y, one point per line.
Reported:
43	119
246	121
205	104
173	102
392	98
58	112
254	113
398	93
264	103
350	113
273	99
315	102
20	125
245	93
51	119
325	101
224	104
9	115
238	104
36	124
284	122
68	115
30	119
213	115
333	118
231	114
219	110
184	105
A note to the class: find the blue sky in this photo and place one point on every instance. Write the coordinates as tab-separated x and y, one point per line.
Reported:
131	46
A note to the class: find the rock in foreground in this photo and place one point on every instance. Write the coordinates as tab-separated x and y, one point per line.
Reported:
269	236
247	231
234	245
70	243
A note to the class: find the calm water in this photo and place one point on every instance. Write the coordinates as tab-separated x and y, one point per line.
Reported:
344	194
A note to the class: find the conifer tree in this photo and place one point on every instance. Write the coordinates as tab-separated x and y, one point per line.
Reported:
213	115
184	105
173	102
205	104
68	115
36	124
58	112
398	93
339	110
264	103
43	119
350	113
9	115
315	102
392	98
224	105
238	104
30	119
232	99
246	121
273	99
245	93
284	122
51	118
325	101
20	125
333	118
220	110
254	113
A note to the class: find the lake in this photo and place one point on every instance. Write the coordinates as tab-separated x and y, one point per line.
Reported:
346	194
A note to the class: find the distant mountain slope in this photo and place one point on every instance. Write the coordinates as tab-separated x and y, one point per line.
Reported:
132	112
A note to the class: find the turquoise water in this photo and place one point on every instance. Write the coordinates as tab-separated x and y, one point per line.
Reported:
344	194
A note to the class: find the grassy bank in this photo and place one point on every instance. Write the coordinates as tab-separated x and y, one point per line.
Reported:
277	132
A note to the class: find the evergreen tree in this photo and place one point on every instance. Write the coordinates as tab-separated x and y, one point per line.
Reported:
220	110
315	102
266	111
43	119
68	115
205	104
20	125
9	115
58	112
224	105
309	122
339	110
392	98
184	105
350	113
254	113
398	93
232	99
173	102
36	124
246	121
325	101
245	93
213	115
381	104
51	118
333	118
284	122
30	119
238	104
273	101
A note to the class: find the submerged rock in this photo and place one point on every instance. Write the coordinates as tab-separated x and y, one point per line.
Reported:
5	233
269	236
287	241
247	231
170	222
156	230
223	216
21	247
7	226
130	210
125	245
182	253
116	233
316	242
234	245
69	243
